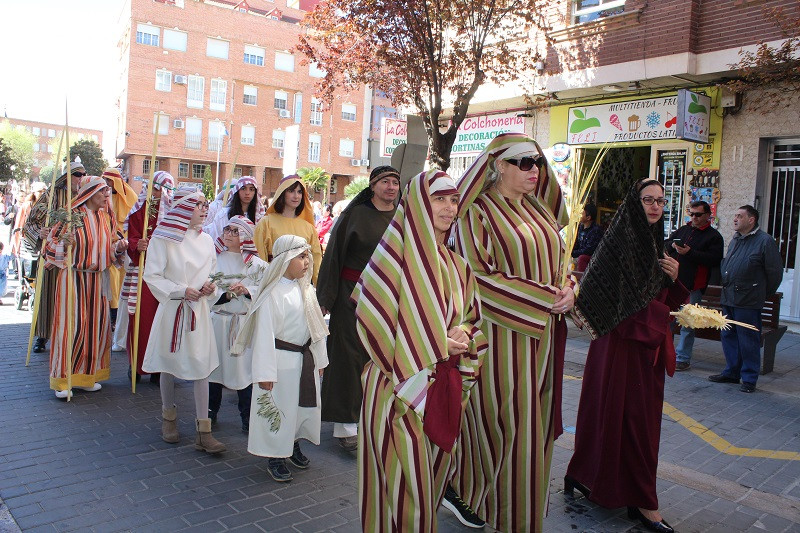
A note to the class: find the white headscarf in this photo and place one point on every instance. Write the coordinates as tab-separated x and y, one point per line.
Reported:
286	248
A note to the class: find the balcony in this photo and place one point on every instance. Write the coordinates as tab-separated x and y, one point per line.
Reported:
193	142
214	144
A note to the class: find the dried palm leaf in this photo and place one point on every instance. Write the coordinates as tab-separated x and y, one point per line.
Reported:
696	316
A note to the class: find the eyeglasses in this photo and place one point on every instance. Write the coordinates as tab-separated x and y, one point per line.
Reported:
231	231
202	205
697	215
79	174
527	163
648	200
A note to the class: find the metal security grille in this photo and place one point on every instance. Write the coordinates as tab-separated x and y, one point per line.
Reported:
784	216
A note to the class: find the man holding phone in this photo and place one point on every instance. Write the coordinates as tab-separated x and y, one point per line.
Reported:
698	248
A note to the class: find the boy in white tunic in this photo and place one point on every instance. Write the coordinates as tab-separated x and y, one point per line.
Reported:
180	259
286	332
236	256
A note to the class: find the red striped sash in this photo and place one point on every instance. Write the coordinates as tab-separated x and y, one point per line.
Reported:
177	325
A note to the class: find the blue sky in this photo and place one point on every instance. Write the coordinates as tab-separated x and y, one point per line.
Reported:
54	50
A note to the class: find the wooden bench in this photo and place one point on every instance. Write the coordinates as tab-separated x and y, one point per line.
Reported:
771	330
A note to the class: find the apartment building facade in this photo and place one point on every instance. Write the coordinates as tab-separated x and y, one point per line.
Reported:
44	147
223	79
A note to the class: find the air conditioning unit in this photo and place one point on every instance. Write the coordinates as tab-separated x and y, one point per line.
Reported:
365	162
177	124
355	162
285	113
180	80
280	154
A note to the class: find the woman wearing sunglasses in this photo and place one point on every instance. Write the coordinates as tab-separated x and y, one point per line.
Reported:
510	215
626	296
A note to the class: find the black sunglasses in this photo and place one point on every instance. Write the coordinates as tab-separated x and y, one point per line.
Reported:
693	215
527	163
79	174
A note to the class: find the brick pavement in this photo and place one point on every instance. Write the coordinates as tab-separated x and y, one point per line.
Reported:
98	463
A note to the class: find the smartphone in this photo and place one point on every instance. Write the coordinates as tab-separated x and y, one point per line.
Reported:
677	242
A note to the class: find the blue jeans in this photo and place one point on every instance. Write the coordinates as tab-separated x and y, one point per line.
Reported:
742	346
683	350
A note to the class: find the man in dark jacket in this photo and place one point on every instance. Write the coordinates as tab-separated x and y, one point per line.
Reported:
751	272
698	248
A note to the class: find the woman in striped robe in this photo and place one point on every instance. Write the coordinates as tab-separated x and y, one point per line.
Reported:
96	245
508	231
418	316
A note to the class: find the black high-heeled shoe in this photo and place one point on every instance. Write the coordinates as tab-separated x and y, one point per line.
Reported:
571	484
634	513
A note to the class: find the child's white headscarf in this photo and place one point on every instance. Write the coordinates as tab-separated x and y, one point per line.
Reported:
286	248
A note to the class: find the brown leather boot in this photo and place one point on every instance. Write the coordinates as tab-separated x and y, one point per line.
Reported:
169	425
205	441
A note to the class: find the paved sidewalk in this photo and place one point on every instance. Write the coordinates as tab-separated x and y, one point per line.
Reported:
98	462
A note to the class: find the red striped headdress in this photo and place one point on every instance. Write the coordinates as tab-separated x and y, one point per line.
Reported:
506	146
165	182
176	221
248	180
246	234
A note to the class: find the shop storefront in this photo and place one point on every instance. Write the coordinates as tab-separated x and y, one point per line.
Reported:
676	136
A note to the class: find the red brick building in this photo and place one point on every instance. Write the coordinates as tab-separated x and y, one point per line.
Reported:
225	66
43	147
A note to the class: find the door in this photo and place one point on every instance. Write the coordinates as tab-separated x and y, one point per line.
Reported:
783	217
671	168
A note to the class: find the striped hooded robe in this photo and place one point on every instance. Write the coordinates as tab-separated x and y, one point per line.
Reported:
92	254
37	220
514	415
134	225
411	293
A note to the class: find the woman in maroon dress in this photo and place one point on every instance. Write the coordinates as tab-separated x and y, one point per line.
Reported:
625	299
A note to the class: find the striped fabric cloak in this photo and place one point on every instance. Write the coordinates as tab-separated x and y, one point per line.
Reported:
411	293
46	287
122	199
92	254
513	416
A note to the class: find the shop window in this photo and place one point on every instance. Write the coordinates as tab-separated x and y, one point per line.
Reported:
198	172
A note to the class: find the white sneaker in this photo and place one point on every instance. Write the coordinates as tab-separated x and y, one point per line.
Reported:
93	388
62	394
117	348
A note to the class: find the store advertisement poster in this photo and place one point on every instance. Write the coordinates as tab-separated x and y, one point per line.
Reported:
635	120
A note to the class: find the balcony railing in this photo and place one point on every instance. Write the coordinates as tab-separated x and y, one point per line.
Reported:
214	144
193	142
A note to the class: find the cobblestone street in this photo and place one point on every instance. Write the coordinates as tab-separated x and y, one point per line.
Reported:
729	461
